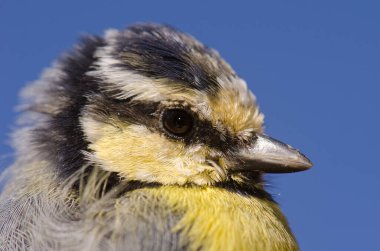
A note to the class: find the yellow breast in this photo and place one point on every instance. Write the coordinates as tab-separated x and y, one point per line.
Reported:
218	219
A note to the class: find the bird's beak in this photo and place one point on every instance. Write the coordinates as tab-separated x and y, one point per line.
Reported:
268	155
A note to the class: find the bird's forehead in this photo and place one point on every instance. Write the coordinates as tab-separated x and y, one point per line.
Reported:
235	107
158	63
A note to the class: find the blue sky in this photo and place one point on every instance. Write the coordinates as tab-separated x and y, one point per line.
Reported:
313	65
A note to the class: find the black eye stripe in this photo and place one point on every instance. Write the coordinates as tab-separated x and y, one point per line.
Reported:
150	114
103	108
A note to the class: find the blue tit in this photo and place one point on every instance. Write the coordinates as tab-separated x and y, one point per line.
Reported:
143	139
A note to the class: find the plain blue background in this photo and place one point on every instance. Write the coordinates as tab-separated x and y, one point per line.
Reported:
313	65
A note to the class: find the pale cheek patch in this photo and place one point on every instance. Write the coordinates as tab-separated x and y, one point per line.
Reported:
136	153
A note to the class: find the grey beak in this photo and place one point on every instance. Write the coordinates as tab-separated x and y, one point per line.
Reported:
269	155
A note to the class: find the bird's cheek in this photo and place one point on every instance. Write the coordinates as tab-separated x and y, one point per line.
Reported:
136	153
95	129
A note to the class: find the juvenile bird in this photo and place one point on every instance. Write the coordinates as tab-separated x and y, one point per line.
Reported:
143	139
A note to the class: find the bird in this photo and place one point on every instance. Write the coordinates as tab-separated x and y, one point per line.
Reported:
143	139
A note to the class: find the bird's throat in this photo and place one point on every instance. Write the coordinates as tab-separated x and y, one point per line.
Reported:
218	219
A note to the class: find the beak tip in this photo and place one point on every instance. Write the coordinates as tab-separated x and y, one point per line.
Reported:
305	163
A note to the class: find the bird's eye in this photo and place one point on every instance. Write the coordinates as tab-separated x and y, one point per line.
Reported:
177	122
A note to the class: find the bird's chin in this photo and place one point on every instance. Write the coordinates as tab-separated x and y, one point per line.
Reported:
249	177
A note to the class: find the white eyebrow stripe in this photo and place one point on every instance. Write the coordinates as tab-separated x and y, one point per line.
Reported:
127	83
115	78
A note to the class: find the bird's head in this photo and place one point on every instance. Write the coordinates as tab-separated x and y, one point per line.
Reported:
153	104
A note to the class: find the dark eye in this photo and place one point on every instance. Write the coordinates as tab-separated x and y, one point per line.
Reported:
177	121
